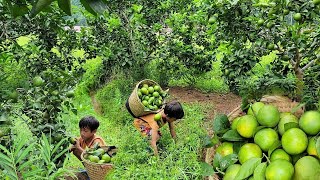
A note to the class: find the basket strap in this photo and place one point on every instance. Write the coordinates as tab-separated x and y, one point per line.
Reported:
129	110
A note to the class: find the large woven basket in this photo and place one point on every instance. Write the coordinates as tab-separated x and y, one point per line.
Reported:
134	104
284	104
98	171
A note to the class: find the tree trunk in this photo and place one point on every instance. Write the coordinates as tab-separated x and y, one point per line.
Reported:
300	84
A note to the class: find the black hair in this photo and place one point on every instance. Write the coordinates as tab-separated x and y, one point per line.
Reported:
174	109
89	122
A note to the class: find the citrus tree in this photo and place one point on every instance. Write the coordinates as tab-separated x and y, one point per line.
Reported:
253	29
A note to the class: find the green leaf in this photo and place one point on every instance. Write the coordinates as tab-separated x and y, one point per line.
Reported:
32	173
206	169
221	124
259	172
247	168
57	146
4	158
24	153
60	154
216	160
318	145
232	135
39	6
273	147
228	160
65	5
290	125
18	10
295	109
94	6
4	149
26	164
207	142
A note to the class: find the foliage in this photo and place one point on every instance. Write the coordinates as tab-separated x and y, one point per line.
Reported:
20	160
295	41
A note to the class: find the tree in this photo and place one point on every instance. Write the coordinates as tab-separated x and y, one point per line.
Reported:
289	28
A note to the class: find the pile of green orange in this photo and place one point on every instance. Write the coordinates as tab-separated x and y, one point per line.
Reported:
268	144
98	155
151	96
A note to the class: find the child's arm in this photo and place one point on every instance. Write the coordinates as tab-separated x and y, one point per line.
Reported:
77	150
172	131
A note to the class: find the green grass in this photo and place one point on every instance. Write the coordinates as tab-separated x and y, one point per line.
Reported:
134	159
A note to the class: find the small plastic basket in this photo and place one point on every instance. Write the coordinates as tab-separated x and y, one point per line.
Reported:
134	104
98	171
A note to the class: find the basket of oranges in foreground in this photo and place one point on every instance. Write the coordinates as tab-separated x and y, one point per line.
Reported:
267	142
97	161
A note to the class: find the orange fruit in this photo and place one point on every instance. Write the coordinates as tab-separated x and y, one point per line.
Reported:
106	158
157	88
254	108
247	125
235	123
307	168
225	149
157	117
294	141
37	81
311	149
268	115
248	151
231	172
280	169
144	91
310	122
265	138
280	154
286	118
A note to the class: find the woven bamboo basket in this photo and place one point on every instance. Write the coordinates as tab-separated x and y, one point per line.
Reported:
134	104
284	104
98	171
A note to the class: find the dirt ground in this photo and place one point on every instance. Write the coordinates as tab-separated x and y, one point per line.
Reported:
221	103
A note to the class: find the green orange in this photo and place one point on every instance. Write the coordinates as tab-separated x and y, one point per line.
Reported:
265	138
286	118
294	141
225	149
231	172
248	151
247	125
280	154
310	122
269	116
280	169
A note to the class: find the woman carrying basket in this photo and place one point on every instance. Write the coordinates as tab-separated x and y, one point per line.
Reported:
150	124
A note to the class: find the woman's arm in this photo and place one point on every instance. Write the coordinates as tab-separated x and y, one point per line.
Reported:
172	131
154	139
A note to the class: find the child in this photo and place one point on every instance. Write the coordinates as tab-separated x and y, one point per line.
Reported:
88	127
149	127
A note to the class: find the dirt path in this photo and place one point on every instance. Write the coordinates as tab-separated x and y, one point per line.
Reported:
221	103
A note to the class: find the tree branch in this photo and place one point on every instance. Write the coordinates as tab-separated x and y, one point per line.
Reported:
308	65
